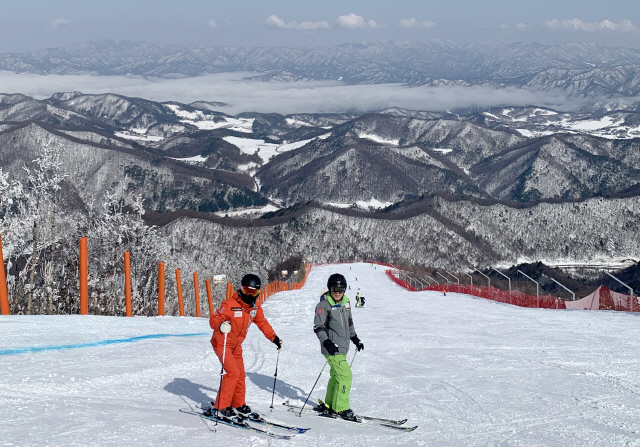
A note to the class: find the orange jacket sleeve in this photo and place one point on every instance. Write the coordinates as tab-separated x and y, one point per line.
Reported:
222	314
261	321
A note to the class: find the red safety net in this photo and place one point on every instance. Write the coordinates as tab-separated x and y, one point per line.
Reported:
491	293
601	299
605	299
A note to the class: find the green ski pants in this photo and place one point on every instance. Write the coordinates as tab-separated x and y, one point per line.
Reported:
339	384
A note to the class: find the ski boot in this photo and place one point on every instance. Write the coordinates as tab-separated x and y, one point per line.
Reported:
324	409
245	412
349	415
227	413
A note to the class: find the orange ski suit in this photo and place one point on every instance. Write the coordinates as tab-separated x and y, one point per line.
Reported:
240	315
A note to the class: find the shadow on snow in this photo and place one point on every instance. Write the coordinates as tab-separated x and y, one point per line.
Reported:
197	393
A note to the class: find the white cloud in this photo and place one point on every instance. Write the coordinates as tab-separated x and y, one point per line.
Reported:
212	23
579	25
412	22
276	21
283	97
354	21
516	26
57	23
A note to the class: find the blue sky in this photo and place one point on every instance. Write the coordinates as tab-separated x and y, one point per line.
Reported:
35	24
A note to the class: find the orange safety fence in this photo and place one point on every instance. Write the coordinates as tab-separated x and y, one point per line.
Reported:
83	277
274	287
4	293
282	286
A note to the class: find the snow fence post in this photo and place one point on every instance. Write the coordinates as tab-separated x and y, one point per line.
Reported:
4	294
84	276
127	282
196	292
161	289
209	297
179	287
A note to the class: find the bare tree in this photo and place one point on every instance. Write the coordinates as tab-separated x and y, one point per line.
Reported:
43	181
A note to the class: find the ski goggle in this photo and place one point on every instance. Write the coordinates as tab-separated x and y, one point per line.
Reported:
250	291
337	289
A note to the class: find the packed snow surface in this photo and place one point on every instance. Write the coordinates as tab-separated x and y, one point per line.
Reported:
194	159
263	149
135	134
378	139
468	371
264	209
363	204
205	121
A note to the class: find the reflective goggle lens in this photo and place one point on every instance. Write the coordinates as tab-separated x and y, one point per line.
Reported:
250	291
338	289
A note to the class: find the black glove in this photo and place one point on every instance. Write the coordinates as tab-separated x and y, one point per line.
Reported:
330	347
276	341
356	341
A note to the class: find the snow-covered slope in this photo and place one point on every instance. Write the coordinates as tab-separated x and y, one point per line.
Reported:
468	371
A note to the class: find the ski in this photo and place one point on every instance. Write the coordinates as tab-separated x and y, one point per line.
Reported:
272	424
369	418
262	421
238	424
365	420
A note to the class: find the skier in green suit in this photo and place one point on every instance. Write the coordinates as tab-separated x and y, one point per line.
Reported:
334	327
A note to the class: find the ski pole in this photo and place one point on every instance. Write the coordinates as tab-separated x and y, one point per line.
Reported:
224	351
275	376
353	358
314	385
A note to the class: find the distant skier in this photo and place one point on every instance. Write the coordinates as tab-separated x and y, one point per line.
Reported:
233	317
444	291
358	303
362	301
334	328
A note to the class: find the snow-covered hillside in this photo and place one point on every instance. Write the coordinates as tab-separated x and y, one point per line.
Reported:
469	372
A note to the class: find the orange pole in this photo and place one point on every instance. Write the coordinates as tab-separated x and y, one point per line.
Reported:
179	286
127	282
197	293
161	289
209	297
4	293
229	290
84	276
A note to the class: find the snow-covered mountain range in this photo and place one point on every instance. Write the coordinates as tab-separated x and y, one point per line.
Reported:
583	69
445	189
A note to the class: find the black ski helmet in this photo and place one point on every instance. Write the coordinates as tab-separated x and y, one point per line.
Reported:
336	280
251	280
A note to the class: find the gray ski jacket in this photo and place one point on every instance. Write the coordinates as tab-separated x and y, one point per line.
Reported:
333	321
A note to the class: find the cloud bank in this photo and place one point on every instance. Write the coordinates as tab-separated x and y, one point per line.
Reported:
283	97
412	22
579	25
277	22
353	21
57	23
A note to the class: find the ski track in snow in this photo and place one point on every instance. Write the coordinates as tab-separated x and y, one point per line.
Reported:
468	371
